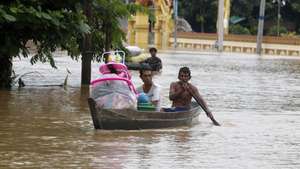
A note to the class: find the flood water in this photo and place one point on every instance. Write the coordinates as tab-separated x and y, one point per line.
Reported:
256	99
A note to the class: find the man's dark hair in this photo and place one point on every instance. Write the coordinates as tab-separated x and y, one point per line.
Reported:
153	49
143	70
184	70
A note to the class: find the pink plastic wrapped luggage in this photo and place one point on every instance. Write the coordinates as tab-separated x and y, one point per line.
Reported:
114	90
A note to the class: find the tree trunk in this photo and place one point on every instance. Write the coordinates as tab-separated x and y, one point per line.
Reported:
5	72
108	37
87	49
86	67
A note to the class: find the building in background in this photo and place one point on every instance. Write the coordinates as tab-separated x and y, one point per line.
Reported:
153	29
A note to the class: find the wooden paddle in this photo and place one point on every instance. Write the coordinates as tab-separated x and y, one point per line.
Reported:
208	113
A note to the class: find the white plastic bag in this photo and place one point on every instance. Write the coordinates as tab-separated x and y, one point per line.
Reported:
114	94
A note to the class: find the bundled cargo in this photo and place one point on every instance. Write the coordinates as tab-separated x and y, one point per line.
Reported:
113	89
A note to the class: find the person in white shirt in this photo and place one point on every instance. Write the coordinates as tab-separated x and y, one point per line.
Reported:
151	89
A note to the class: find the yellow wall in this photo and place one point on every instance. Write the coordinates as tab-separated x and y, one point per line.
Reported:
138	26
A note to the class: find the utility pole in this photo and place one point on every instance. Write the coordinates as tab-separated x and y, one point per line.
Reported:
175	11
278	16
260	30
279	3
220	25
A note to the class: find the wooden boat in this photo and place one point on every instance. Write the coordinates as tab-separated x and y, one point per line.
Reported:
129	119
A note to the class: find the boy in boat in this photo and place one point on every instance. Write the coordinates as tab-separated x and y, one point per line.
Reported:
182	92
154	61
151	89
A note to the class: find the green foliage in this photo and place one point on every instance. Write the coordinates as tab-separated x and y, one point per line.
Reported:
273	31
253	30
295	5
248	10
151	15
106	29
199	18
60	24
49	24
201	14
239	30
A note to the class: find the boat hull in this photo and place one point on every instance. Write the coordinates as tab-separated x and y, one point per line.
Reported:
129	119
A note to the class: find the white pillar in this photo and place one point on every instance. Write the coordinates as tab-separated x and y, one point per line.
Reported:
220	25
175	11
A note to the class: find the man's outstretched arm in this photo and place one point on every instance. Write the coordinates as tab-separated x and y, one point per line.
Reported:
196	95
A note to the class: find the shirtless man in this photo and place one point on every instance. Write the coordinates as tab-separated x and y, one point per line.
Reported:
182	92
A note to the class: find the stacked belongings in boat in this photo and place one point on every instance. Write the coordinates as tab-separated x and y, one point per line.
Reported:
144	103
113	89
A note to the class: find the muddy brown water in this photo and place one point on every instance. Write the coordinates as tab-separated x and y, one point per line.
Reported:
256	99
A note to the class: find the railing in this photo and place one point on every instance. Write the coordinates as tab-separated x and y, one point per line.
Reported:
241	38
237	43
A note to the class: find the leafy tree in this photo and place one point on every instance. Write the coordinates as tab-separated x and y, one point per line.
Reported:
295	5
273	31
86	27
49	24
201	14
104	19
248	10
239	30
290	12
293	13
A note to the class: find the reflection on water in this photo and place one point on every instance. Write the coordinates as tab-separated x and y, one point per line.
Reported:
257	100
